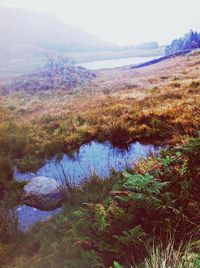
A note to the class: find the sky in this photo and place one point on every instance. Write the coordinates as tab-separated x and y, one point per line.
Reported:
123	22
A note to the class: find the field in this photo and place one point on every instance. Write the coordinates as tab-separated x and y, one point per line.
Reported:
159	104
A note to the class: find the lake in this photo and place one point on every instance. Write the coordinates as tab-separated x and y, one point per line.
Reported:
79	165
112	63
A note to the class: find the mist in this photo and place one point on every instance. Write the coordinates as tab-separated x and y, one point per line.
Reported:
123	22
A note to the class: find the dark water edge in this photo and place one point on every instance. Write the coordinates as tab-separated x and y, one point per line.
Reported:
160	59
100	158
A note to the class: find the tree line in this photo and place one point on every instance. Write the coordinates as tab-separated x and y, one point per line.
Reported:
189	41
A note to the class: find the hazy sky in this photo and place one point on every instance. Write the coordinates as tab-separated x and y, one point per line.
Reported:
122	21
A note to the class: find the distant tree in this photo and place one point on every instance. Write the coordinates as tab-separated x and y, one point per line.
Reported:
149	45
57	62
190	40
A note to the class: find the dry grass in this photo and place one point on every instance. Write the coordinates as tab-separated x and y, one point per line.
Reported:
123	83
120	105
159	102
171	256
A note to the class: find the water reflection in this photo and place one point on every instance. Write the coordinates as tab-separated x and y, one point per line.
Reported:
100	157
27	216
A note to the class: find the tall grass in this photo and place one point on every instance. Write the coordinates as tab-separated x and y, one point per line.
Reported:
8	223
172	256
106	219
67	187
8	231
170	114
76	192
123	218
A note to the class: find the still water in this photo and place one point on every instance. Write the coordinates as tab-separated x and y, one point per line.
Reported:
94	156
112	63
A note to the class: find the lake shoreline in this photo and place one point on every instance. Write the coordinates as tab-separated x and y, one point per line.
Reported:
145	61
160	59
108	64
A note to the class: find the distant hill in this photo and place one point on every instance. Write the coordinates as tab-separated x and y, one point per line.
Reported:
24	33
26	37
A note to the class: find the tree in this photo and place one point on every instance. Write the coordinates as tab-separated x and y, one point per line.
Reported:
190	40
57	62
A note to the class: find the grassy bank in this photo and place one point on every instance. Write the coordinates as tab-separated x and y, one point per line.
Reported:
148	214
164	114
119	221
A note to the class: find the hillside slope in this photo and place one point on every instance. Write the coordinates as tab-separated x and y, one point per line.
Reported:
26	37
25	32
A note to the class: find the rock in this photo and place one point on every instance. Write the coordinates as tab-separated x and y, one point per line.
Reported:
42	193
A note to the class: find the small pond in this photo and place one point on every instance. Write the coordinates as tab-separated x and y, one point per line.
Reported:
94	156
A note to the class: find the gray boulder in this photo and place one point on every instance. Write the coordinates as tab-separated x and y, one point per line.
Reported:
42	193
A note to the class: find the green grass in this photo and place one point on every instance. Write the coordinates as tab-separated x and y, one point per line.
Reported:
106	223
110	221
